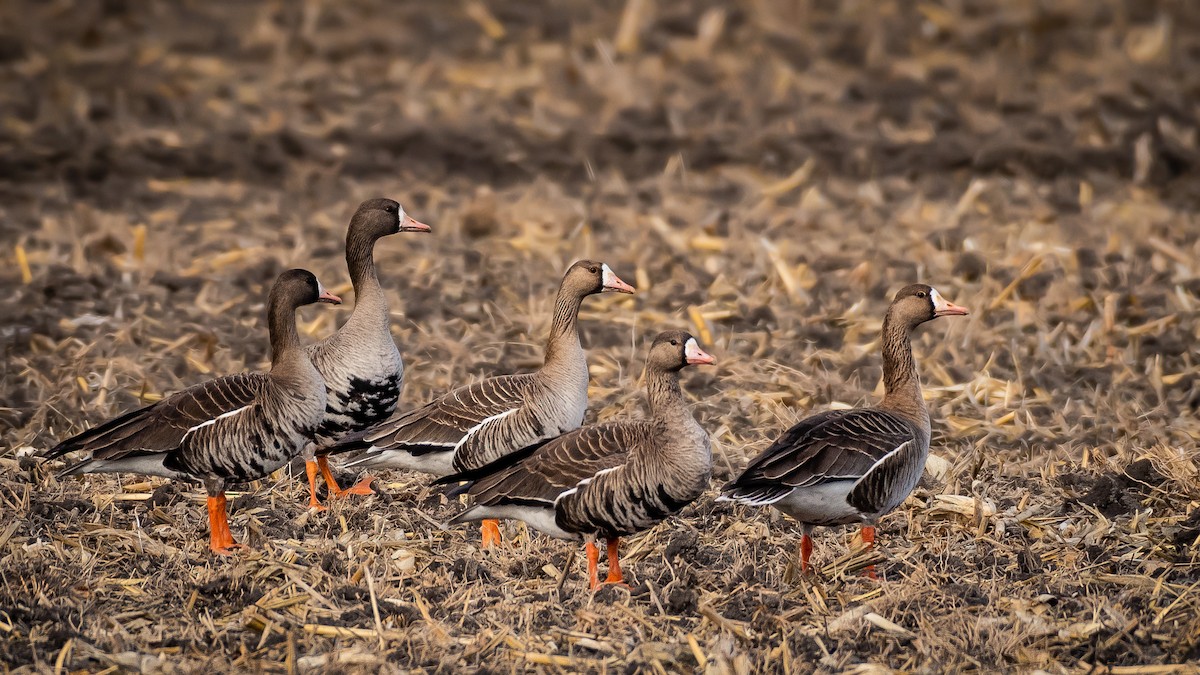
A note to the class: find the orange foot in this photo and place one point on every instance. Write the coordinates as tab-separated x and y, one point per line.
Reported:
220	539
362	487
228	549
311	468
490	531
614	565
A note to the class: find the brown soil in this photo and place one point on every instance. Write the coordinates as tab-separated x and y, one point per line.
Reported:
766	173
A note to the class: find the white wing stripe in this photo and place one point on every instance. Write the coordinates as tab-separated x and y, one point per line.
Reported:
582	483
471	432
223	415
899	448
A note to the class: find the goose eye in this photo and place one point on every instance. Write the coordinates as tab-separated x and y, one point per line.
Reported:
593	270
389	208
920	294
675	342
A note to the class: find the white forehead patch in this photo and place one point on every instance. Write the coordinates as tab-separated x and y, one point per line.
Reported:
691	348
608	277
939	303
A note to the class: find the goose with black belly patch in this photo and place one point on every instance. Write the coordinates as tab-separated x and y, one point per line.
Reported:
360	363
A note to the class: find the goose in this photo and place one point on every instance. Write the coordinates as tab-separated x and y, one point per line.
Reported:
360	363
477	424
606	480
853	466
233	429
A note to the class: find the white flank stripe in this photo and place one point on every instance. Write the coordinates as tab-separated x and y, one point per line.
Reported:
582	483
477	427
223	415
883	459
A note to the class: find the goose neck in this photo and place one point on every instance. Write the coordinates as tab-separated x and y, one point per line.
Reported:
901	383
563	344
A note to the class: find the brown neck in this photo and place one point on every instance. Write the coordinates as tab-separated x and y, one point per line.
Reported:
563	343
902	385
360	260
281	322
664	394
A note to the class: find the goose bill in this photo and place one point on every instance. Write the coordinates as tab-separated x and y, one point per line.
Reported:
943	307
326	296
613	283
411	225
695	355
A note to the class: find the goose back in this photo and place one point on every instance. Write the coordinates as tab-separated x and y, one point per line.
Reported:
834	451
253	441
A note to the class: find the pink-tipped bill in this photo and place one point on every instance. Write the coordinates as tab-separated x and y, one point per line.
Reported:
410	225
613	283
696	356
943	307
325	296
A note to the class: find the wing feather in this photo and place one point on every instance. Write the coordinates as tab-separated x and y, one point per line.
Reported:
443	422
833	445
160	427
559	465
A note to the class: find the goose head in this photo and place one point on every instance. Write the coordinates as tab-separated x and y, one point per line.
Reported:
296	288
588	277
918	303
377	218
676	349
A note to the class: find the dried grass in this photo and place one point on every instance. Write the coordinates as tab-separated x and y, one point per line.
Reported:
767	173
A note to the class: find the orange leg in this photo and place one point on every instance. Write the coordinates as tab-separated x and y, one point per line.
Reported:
362	487
868	540
490	530
310	467
593	556
805	552
220	538
614	563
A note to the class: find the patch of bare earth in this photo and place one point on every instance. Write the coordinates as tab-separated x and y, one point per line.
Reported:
766	173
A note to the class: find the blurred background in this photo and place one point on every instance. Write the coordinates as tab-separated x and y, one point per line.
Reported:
766	172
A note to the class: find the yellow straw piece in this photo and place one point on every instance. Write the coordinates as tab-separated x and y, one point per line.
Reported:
23	263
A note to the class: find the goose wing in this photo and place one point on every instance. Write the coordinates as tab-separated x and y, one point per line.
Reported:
444	422
160	427
835	445
559	466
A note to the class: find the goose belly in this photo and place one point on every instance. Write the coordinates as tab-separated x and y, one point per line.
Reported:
355	403
539	518
435	463
822	504
564	410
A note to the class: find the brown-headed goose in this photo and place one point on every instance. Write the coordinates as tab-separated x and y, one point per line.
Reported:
475	425
232	429
360	363
607	480
853	466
